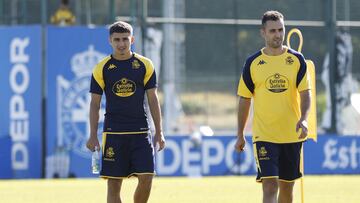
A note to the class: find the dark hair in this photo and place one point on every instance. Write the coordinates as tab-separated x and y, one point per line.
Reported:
120	27
271	15
65	2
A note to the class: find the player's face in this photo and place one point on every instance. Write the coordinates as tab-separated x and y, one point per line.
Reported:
273	32
121	43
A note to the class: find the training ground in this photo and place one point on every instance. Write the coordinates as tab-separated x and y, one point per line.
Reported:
229	189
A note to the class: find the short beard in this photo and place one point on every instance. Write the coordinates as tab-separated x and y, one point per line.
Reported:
275	45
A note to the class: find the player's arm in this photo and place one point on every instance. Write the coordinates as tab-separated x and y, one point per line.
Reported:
243	113
94	121
304	87
245	91
155	110
97	86
305	101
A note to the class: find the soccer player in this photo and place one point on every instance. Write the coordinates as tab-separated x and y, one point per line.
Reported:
125	77
274	77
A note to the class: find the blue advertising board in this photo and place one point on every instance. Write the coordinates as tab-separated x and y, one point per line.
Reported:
210	156
333	154
72	53
20	103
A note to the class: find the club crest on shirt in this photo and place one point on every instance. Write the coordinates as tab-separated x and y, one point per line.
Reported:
289	60
277	83
135	64
124	87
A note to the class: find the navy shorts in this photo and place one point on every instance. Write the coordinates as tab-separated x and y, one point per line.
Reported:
280	161
126	155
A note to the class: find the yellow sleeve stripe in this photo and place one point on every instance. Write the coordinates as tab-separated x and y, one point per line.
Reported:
149	67
98	72
149	73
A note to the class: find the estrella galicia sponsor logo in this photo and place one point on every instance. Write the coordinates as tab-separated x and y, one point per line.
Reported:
289	60
124	88
73	100
277	83
261	62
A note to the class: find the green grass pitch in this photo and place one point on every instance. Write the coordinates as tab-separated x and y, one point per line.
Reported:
228	189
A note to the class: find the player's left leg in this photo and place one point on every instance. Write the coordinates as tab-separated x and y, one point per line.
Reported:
286	192
289	170
142	166
143	189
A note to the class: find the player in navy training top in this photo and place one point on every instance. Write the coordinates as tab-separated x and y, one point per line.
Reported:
125	77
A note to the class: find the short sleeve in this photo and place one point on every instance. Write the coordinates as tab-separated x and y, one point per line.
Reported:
97	83
303	75
246	84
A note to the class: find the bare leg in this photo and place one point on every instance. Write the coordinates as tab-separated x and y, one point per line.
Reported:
143	189
113	190
270	190
286	192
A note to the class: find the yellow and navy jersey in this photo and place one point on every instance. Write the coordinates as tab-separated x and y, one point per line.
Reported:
124	83
274	83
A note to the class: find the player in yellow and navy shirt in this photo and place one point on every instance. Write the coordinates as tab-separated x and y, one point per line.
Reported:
276	79
125	77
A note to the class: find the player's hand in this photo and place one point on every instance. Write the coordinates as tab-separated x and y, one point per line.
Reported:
159	141
92	143
240	143
304	128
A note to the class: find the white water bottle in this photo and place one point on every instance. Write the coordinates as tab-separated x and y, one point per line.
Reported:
95	161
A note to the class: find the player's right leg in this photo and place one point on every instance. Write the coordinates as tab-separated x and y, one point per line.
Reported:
289	170
266	156
113	190
115	164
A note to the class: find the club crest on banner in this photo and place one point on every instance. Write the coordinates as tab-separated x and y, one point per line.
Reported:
73	100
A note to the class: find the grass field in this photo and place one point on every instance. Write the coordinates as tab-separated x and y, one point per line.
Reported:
230	189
